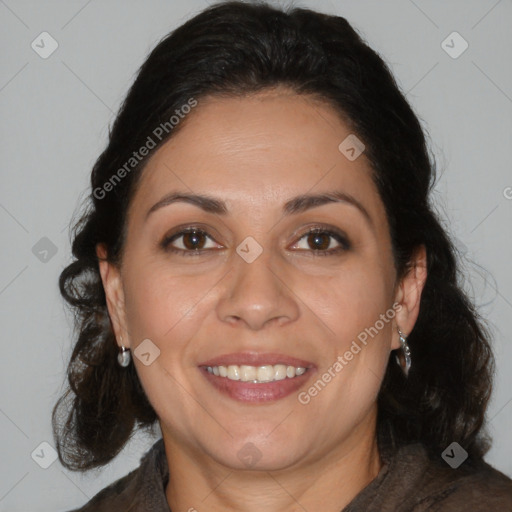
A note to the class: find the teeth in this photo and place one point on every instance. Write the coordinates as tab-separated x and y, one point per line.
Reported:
279	372
233	372
265	373
247	373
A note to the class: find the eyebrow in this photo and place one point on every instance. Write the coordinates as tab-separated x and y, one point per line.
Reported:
295	205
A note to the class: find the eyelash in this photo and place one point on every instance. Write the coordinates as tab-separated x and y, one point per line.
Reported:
338	236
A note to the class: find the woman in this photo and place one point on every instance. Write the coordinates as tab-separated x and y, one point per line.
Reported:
260	271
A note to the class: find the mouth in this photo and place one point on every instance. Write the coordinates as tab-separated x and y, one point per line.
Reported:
252	377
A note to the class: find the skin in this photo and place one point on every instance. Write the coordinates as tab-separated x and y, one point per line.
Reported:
255	153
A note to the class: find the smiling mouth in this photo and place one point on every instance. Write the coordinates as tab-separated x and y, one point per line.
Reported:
257	378
257	374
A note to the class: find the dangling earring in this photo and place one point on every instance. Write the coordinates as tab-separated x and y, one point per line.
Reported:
406	353
124	357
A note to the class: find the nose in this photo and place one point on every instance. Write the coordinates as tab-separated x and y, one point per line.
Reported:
257	295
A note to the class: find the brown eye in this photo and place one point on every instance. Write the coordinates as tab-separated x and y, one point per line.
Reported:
189	242
319	241
323	242
194	240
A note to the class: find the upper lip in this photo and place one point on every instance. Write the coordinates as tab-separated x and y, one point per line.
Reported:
256	359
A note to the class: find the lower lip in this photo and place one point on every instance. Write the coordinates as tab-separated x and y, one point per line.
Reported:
253	392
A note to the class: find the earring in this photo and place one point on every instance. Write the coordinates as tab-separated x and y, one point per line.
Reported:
124	357
406	353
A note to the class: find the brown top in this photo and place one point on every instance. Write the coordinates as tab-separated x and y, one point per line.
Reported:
408	482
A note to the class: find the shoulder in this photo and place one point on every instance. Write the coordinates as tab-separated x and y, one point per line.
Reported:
411	480
138	490
119	493
435	486
480	488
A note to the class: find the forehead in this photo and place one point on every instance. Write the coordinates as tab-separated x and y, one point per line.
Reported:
257	150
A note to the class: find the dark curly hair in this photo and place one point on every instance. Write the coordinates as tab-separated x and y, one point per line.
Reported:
234	49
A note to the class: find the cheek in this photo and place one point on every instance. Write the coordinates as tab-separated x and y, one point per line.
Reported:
350	301
168	310
163	306
357	306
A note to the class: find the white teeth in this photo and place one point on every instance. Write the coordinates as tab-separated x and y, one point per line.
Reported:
233	372
264	373
280	371
247	373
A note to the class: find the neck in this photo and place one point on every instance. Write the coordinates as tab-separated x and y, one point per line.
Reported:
328	483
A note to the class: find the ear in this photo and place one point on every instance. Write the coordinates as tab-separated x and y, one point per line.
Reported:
408	294
112	284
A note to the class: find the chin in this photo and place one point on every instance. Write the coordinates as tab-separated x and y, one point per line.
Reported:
259	452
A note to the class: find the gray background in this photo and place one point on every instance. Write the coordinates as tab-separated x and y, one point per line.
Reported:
55	114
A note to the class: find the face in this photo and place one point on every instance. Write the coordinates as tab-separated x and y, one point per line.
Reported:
259	275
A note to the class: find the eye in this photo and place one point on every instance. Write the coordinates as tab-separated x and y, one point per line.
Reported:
323	241
192	242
